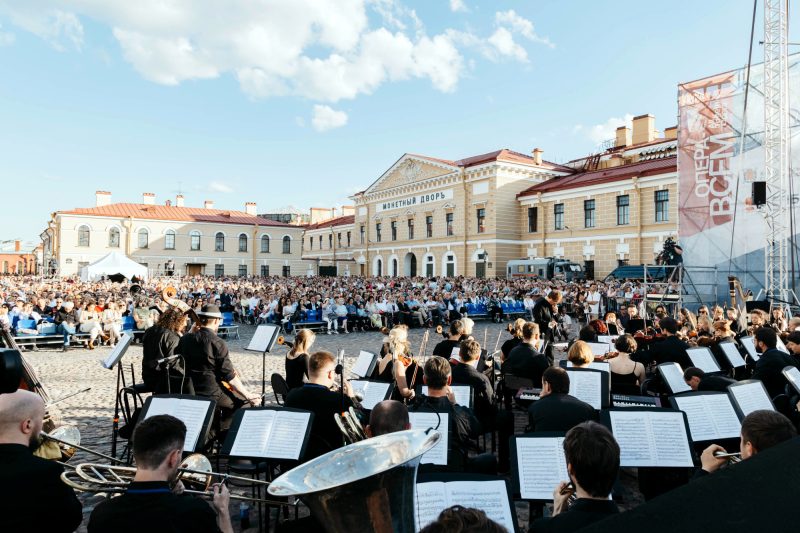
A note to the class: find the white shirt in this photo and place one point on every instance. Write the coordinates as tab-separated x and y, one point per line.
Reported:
593	299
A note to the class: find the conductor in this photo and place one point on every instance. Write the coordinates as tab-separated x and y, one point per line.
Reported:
544	312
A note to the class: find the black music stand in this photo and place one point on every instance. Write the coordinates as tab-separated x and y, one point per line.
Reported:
114	359
263	341
172	404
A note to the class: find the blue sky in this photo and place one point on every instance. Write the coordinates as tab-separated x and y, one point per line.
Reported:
304	102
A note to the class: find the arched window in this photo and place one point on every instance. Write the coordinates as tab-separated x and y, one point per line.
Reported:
194	240
219	242
265	244
287	244
169	239
242	242
330	240
113	238
83	236
143	238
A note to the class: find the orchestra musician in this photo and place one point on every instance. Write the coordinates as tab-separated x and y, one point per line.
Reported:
445	348
627	375
160	342
318	397
209	365
592	456
31	484
557	410
388	416
544	313
151	503
793	343
525	360
700	381
515	328
671	349
770	365
613	325
580	354
396	363
296	364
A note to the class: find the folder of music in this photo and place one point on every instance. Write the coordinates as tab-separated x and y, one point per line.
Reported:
711	415
538	465
750	395
654	437
372	392
270	432
194	411
590	386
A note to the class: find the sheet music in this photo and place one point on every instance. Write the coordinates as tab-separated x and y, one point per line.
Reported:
673	375
253	434
262	337
191	412
792	374
541	466
270	433
781	346
455	353
422	420
431	500
732	354
587	387
491	497
750	346
372	392
751	397
463	393
607	339
118	351
703	359
651	438
597	365
364	361
599	349
710	416
288	434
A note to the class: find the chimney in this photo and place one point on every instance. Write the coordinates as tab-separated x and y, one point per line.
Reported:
537	156
623	137
102	198
168	203
250	208
179	201
17	246
149	198
208	204
644	129
348	210
671	133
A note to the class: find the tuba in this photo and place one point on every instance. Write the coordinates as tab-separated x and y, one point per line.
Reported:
366	486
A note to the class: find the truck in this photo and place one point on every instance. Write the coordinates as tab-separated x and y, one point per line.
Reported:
545	268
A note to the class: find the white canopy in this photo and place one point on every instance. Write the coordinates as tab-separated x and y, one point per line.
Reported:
113	263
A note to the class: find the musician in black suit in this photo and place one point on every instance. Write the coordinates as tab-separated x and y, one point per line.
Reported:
464	372
592	456
671	349
525	360
700	381
544	312
160	341
772	361
149	503
316	396
556	410
445	347
515	329
33	495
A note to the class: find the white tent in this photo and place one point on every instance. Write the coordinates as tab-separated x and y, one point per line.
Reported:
113	263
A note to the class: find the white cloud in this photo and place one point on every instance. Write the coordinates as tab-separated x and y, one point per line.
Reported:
61	29
602	132
503	42
458	5
325	118
216	186
520	25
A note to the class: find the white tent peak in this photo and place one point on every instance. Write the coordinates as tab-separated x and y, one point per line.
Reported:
113	263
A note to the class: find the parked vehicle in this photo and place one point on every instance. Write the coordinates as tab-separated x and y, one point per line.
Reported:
545	268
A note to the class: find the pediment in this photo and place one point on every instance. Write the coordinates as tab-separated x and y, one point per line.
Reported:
411	169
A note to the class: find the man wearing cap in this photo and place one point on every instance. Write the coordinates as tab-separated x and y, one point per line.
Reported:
208	364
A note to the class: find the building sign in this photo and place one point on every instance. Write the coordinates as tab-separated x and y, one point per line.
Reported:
414	201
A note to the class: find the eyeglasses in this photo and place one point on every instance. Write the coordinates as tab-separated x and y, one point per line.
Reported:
703	312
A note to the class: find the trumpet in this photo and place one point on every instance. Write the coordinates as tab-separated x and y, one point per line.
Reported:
195	471
733	458
283	342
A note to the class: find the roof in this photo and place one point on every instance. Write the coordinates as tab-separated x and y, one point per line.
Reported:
164	212
504	154
338	221
608	175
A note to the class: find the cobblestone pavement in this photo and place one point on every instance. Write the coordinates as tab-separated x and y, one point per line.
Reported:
92	412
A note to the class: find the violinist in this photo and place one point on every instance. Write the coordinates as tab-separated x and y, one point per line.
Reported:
515	328
732	315
396	363
793	343
671	349
296	364
626	374
722	334
613	325
445	348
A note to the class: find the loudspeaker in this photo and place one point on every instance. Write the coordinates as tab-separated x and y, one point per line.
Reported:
759	193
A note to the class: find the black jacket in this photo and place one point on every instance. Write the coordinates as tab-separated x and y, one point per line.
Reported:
325	434
464	426
581	513
445	348
465	374
768	370
671	350
158	343
710	382
32	495
525	362
559	412
543	315
207	362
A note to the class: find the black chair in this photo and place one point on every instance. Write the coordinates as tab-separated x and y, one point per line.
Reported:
131	403
279	388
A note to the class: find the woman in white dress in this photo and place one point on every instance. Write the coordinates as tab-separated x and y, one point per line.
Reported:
112	323
90	323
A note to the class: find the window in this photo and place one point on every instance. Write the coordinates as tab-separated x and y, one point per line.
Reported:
558	216
113	238
378	231
286	271
219	270
410	228
83	236
265	244
242	271
339	239
264	271
429	226
169	239
320	242
330	241
393	226
142	238
662	206
361	230
448	223
348	239
481	220
588	213
533	219
194	240
287	245
311	243
242	242
219	242
623	209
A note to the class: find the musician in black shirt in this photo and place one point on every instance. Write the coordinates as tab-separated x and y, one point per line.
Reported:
159	342
525	360
445	348
149	503
769	367
515	340
544	313
296	364
33	495
556	410
592	456
700	381
669	350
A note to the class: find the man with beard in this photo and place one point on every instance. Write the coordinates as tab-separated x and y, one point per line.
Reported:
30	484
150	503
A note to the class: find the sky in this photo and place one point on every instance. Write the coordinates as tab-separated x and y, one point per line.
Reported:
305	102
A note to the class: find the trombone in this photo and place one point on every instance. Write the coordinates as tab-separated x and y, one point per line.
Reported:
68	439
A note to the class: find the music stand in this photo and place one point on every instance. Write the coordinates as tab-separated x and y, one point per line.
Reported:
114	359
263	341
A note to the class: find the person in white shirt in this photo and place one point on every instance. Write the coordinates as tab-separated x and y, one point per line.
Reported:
329	314
593	302
341	314
112	323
